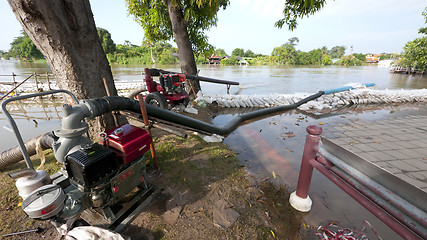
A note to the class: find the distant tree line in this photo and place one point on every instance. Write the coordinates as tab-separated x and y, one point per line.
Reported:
164	53
287	54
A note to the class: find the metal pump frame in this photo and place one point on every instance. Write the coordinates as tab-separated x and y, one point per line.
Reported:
15	127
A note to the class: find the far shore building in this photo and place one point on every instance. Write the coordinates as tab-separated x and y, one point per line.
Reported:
214	59
372	58
242	61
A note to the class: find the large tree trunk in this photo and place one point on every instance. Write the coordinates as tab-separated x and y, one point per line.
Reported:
185	50
65	32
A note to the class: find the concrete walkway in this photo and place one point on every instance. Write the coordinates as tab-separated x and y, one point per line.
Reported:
397	145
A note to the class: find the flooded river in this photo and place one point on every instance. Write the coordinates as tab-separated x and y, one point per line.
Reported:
272	144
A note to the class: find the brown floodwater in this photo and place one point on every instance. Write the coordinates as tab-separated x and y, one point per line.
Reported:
274	143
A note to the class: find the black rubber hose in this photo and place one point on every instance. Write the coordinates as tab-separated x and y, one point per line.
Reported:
14	154
108	104
112	103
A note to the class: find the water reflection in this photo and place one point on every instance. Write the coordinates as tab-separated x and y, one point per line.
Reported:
256	79
408	81
33	117
22	68
276	143
286	80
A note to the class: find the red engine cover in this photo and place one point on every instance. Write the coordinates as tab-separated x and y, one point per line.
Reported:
127	141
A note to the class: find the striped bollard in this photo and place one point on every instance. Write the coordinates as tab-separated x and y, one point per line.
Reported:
300	199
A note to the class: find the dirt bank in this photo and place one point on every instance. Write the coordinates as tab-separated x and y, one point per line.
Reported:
202	192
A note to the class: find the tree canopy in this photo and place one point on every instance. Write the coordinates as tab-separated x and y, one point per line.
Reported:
295	9
337	51
220	52
185	21
160	52
249	53
199	16
424	29
285	54
238	52
22	47
106	42
415	52
293	41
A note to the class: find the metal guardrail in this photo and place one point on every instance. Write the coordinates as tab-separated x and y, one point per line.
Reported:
404	218
17	85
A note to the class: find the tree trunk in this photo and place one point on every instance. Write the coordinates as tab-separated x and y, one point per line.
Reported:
65	32
185	50
152	56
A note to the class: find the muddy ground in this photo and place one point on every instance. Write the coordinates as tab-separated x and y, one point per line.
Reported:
203	193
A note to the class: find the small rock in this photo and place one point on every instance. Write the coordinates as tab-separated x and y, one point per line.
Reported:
170	216
223	215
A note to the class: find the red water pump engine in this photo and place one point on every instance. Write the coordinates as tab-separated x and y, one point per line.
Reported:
172	83
101	175
99	182
111	168
171	90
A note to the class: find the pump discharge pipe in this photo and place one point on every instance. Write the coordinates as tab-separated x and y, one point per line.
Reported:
69	137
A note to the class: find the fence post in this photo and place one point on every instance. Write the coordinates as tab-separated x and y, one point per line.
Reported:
147	124
300	199
48	81
14	82
37	84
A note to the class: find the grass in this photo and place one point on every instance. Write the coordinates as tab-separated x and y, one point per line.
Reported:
190	162
208	172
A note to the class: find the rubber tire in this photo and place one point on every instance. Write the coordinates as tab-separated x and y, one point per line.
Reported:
186	100
156	99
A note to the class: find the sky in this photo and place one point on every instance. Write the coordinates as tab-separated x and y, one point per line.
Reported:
368	26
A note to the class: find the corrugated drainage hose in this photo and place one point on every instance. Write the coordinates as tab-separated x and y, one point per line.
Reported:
14	154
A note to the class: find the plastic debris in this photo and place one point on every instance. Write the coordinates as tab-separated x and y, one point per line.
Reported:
191	109
201	103
92	233
333	231
213	138
274	175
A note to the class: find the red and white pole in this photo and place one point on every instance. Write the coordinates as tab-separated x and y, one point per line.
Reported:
300	199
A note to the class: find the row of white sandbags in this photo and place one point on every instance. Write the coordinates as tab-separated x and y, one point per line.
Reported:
356	96
366	96
249	100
